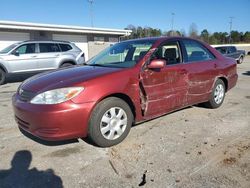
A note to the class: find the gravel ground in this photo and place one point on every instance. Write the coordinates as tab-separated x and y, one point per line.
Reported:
193	147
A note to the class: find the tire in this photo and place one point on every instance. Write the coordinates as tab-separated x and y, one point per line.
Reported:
66	65
109	116
240	60
217	96
2	77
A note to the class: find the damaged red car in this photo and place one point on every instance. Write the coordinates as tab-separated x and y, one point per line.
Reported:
129	82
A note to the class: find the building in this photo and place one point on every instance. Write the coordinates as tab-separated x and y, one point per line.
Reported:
91	40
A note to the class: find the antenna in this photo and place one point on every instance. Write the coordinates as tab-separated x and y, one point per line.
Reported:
91	2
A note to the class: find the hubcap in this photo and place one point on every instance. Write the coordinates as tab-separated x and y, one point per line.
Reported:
113	123
219	93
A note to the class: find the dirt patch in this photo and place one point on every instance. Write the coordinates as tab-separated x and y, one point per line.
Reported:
229	161
128	176
64	152
234	103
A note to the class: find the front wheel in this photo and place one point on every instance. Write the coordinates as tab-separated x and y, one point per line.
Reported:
217	95
2	77
240	60
110	122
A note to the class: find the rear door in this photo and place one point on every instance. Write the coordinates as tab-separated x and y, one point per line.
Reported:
166	89
201	65
48	55
23	58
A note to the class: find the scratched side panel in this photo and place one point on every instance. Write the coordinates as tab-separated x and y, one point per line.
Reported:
165	89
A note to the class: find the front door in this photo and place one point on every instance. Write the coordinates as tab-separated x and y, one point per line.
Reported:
23	59
165	89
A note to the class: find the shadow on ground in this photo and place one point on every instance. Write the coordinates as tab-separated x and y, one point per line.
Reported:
247	73
19	77
20	175
47	143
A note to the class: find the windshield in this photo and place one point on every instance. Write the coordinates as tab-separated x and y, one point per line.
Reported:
122	55
8	49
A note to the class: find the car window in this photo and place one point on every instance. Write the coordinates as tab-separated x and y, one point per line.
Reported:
26	49
232	49
222	50
196	51
123	55
169	51
65	47
48	47
8	49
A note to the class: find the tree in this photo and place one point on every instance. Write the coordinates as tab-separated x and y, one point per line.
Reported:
183	33
235	36
193	31
205	35
140	32
246	37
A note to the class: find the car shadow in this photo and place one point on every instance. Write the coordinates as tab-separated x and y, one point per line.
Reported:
247	73
19	77
21	175
48	143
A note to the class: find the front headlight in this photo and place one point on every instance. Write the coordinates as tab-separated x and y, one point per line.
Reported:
57	96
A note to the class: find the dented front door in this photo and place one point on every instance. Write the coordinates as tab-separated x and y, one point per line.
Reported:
163	90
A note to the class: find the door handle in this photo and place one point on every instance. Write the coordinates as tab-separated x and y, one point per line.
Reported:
57	55
33	56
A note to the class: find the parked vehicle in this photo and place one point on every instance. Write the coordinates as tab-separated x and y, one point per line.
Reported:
37	56
231	51
129	82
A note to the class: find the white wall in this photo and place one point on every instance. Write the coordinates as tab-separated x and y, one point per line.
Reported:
8	38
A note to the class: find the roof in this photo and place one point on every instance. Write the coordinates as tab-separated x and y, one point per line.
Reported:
60	28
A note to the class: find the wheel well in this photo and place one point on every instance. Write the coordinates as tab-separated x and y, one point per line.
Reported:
70	62
2	68
225	82
125	98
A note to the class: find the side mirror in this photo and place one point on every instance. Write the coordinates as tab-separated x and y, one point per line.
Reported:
16	53
157	64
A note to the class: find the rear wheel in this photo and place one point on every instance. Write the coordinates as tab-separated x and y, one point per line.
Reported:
217	95
66	65
240	60
2	77
110	122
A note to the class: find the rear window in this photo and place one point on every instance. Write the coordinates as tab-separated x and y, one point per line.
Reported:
48	47
65	47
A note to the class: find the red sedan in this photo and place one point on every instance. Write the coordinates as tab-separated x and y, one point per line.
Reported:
129	82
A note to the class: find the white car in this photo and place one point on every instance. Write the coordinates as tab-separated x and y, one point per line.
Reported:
38	56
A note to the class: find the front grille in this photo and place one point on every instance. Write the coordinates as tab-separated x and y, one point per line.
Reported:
25	96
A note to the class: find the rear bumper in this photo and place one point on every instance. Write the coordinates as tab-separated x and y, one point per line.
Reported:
53	122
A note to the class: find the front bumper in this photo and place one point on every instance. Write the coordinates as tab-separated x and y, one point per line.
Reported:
53	122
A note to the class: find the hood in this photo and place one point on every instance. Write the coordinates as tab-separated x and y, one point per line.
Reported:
65	77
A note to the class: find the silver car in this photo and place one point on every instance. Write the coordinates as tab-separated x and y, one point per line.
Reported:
38	56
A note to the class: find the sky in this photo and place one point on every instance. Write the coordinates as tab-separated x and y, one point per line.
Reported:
213	15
